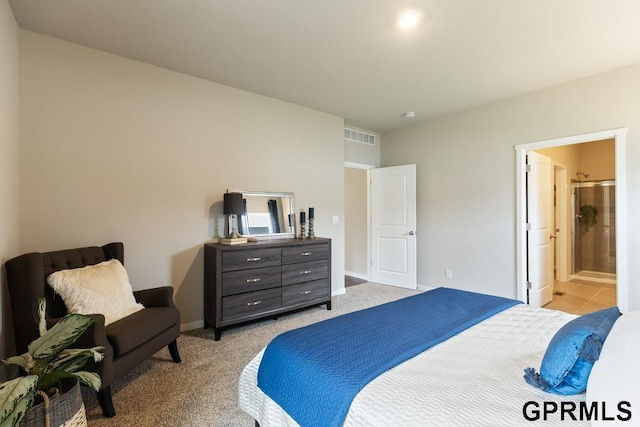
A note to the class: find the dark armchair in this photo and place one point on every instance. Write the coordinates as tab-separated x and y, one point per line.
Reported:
126	342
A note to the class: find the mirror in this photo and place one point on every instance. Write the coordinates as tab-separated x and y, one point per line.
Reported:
266	214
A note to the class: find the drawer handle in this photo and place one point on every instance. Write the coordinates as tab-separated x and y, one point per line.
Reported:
305	292
254	303
254	259
257	279
305	272
305	253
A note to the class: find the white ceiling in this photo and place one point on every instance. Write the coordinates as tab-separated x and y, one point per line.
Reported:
345	57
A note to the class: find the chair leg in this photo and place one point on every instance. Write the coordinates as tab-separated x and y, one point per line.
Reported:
173	349
104	398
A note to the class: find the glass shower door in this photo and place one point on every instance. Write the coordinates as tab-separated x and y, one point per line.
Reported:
594	237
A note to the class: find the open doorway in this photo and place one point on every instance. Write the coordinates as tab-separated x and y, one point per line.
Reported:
584	232
356	220
380	225
617	138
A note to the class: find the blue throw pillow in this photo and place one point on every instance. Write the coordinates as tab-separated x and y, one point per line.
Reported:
567	363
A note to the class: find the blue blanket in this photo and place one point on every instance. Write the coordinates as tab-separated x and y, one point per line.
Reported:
314	372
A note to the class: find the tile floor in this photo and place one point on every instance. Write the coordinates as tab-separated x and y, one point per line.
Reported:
582	296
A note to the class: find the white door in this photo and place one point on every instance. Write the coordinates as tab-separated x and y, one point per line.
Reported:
393	226
539	229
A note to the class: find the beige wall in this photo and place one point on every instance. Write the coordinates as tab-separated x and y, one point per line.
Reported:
363	154
114	149
597	159
568	156
355	213
9	160
467	175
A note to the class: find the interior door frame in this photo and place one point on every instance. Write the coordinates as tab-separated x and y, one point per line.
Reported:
562	262
367	168
619	135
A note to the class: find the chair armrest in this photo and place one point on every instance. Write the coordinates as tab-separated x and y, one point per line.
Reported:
96	333
155	297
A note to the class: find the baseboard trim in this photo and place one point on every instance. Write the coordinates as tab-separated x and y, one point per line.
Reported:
191	326
356	275
338	292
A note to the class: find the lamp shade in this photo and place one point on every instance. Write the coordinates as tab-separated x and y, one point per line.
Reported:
233	204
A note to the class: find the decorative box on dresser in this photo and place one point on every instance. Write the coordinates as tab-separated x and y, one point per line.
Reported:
264	279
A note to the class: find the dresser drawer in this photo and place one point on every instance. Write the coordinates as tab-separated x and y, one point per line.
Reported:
243	283
255	279
304	272
251	258
241	305
305	253
305	292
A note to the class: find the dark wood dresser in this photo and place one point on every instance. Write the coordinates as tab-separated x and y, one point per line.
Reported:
264	279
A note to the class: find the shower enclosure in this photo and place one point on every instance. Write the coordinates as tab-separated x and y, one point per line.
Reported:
594	229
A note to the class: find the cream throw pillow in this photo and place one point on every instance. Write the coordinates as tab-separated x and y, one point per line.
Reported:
101	288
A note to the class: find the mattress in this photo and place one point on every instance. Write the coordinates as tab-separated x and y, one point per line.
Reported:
474	378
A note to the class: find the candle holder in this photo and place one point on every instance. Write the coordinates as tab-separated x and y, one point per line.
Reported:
303	220
312	234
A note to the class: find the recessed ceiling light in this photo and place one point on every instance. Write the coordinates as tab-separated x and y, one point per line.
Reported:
408	19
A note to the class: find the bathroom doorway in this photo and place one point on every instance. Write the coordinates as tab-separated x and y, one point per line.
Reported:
596	157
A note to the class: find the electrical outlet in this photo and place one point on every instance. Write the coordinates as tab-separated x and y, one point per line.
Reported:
448	274
335	219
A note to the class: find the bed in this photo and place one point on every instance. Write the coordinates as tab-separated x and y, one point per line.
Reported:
473	377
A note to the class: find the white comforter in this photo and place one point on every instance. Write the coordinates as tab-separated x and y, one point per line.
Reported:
472	379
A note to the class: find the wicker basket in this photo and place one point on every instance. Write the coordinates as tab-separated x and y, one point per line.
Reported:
65	410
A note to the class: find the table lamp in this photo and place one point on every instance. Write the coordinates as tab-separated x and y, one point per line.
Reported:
233	206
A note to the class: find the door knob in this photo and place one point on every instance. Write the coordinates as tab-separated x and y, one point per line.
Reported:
411	233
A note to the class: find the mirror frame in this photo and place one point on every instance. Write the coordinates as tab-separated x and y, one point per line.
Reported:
266	194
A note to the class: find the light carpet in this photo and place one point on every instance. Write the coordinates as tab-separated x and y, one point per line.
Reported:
203	389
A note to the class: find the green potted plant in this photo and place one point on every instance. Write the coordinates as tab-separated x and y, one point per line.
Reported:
588	216
46	364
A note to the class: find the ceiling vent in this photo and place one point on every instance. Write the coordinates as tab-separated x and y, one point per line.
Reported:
359	136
